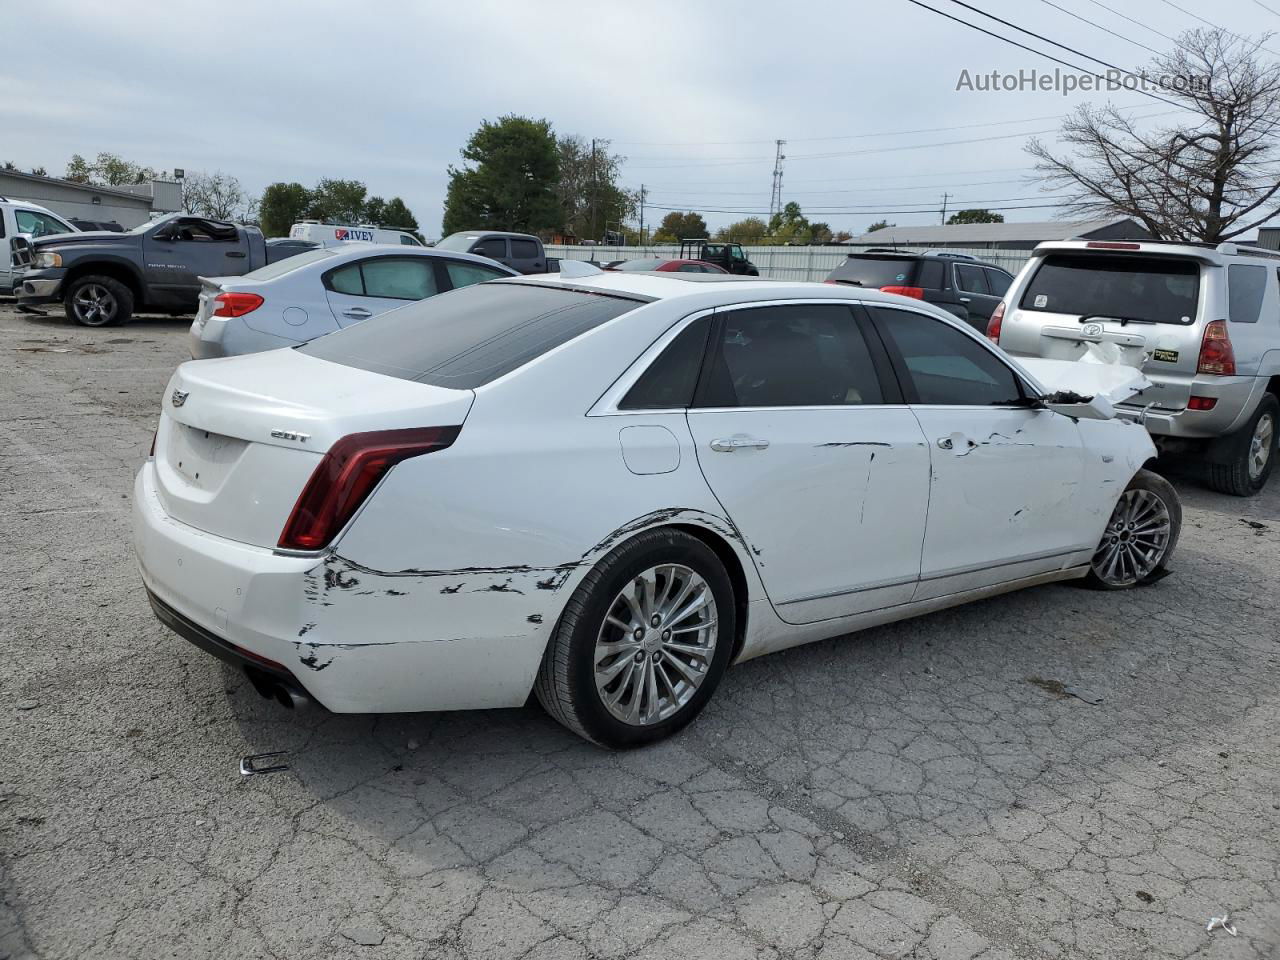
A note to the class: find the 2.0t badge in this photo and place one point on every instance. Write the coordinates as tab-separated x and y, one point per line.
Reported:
179	397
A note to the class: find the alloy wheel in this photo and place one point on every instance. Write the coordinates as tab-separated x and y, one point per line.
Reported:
95	305
656	644
1136	539
1260	445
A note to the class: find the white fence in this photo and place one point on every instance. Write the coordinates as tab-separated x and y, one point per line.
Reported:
777	263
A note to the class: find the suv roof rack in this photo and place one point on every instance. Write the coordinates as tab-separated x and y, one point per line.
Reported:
949	254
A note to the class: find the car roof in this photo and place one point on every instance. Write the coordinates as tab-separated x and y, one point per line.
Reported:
1205	252
353	250
716	288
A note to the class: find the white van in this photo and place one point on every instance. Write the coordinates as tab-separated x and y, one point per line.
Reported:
328	234
22	218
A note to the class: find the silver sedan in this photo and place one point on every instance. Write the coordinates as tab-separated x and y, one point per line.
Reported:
306	296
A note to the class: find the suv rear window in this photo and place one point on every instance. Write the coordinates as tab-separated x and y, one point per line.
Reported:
876	272
468	337
1146	289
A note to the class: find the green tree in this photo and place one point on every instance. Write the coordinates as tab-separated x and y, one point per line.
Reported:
282	205
880	225
375	211
975	216
677	226
78	170
397	214
750	230
39	172
588	189
789	225
10	165
341	201
109	170
511	184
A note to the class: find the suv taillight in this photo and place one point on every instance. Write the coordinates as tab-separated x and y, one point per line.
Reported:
915	293
1216	355
995	323
235	304
343	480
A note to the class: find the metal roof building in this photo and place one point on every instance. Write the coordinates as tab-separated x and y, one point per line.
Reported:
1002	236
128	206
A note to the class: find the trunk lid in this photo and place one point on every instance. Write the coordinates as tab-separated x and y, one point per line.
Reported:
240	437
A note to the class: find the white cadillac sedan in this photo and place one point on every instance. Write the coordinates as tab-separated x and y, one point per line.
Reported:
607	487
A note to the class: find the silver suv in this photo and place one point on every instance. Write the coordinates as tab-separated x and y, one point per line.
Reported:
1203	323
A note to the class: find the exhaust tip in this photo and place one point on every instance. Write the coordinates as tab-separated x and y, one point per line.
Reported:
270	688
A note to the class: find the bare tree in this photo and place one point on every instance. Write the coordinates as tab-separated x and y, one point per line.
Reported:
1210	178
217	195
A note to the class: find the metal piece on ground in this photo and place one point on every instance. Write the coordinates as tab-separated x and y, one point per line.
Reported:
249	764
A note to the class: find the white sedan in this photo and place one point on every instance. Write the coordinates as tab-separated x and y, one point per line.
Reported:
606	487
319	291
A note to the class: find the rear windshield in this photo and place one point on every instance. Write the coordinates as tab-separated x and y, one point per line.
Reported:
875	271
468	337
1144	289
289	264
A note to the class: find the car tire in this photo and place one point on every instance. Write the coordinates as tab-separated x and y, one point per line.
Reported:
95	301
1251	453
1140	537
599	674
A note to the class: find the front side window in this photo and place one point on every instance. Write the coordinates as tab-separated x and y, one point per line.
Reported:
494	247
946	366
1246	285
797	355
39	224
465	274
466	338
1141	289
669	381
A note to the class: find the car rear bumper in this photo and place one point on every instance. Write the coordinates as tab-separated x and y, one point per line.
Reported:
1235	399
351	648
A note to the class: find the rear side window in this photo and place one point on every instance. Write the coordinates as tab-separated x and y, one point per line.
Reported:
347	280
670	380
397	279
1145	289
930	276
1246	285
971	279
876	272
468	337
523	250
998	281
803	355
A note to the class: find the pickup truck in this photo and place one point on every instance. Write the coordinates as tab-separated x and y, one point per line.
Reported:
522	252
102	277
20	222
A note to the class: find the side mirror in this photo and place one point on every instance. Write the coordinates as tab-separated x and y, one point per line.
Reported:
1077	407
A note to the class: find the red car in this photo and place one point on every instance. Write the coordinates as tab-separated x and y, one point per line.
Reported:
659	265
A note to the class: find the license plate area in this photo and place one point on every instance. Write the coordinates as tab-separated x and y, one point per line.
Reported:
203	459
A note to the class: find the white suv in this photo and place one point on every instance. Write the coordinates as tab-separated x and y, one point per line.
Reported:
1203	323
22	218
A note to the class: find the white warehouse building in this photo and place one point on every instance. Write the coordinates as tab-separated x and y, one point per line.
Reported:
128	205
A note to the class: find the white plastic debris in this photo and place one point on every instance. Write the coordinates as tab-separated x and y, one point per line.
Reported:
1224	922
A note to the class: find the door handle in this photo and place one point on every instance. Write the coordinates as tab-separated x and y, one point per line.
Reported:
730	444
964	299
236	253
945	443
357	313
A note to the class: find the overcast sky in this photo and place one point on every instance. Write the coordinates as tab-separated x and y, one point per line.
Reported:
692	93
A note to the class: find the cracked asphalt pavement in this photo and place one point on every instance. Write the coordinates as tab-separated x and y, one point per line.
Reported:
1055	773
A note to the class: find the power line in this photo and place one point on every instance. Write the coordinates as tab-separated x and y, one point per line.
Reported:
1266	8
1137	23
1101	27
1039	53
925	207
858	212
1257	45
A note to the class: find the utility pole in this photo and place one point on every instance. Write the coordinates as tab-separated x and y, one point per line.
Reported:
642	214
945	198
593	189
775	200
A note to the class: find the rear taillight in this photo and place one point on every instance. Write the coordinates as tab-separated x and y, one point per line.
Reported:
1216	355
343	480
235	304
1202	403
995	323
915	293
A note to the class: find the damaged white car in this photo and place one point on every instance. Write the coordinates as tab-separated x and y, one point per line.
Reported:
607	487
